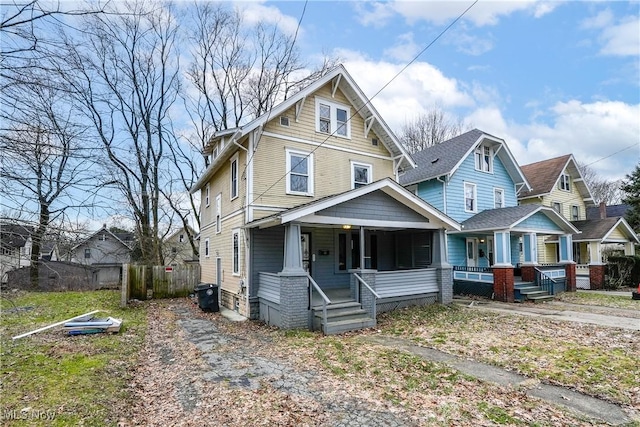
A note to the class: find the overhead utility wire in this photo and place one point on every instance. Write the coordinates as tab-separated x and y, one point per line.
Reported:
369	99
635	144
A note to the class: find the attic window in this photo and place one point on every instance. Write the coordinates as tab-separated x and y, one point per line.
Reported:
484	158
284	121
333	118
103	237
374	141
564	183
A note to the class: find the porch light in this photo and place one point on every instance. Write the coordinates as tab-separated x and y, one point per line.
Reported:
481	240
346	227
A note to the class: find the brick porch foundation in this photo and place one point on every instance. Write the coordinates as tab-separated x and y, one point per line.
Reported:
503	284
596	276
528	273
570	272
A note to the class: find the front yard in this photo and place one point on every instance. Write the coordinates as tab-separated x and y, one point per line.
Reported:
153	373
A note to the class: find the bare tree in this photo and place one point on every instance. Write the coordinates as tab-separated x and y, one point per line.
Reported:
602	190
44	168
237	73
124	69
430	128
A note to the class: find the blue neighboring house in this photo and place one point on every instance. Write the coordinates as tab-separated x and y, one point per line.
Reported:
474	179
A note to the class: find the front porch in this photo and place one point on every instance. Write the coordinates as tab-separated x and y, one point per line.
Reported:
379	245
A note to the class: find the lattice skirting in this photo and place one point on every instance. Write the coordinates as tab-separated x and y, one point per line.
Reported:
583	282
390	304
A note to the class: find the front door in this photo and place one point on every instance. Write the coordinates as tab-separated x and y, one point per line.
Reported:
305	240
472	252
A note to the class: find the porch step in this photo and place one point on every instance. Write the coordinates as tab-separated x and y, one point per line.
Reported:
530	292
342	317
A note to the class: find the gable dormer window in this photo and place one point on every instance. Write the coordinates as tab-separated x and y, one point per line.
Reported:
284	121
484	158
565	182
332	118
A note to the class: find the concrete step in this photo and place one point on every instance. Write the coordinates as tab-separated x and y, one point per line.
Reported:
339	307
340	326
541	298
332	316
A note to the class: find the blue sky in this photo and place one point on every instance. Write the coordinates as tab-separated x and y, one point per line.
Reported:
549	77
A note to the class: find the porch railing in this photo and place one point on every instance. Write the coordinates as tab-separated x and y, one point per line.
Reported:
325	299
547	279
473	274
582	269
359	290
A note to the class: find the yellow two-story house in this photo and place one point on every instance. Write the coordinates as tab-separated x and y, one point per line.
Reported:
559	184
301	210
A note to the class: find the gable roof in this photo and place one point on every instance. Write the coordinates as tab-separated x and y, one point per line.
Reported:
388	186
14	235
511	217
445	158
341	79
106	231
600	229
544	176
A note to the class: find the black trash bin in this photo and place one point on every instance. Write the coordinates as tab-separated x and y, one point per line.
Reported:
207	297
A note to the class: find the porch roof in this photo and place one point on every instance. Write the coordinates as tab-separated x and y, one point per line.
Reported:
601	230
315	212
515	218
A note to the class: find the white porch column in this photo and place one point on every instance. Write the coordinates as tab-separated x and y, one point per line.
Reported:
629	248
502	248
440	258
595	253
362	246
530	250
292	250
566	248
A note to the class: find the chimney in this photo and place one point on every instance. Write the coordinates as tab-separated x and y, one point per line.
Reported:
603	210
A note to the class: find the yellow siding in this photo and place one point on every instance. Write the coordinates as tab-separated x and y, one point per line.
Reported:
548	255
617	234
332	166
221	245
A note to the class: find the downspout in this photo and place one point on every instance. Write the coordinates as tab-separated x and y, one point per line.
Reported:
444	193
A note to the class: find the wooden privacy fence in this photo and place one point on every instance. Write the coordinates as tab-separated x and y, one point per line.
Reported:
143	281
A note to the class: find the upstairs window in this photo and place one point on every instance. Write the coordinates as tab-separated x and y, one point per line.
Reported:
333	118
470	197
498	198
360	174
234	177
218	213
484	158
564	183
181	239
557	207
207	195
575	213
300	173
87	253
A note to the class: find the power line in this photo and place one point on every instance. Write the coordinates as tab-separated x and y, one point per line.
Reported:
635	144
368	100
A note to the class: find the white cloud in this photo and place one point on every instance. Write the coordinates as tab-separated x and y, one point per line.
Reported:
256	12
619	37
439	12
470	44
622	39
591	131
414	91
404	50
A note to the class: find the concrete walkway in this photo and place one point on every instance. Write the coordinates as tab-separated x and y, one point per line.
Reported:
549	312
578	402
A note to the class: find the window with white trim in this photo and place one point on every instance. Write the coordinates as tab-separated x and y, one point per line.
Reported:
206	248
565	182
333	118
557	206
207	192
234	177
300	173
235	236
470	197
219	213
181	238
484	158
575	213
498	198
361	174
